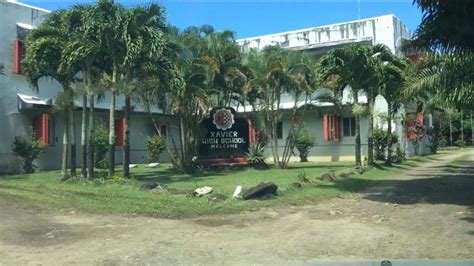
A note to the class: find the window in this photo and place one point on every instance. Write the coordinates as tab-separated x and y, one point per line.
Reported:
18	56
348	126
119	132
280	130
44	130
162	129
331	127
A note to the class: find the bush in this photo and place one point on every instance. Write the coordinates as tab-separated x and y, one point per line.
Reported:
156	145
380	139
101	145
304	141
443	142
28	149
460	143
256	155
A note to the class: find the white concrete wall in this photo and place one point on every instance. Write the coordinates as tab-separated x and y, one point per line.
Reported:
386	29
330	151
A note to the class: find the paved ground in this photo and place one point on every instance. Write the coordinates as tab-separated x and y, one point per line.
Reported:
425	214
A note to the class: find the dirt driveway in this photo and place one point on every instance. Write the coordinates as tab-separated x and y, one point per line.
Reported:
427	213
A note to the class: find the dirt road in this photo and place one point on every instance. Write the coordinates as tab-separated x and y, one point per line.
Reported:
426	213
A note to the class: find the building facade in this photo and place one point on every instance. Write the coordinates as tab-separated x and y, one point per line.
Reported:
24	110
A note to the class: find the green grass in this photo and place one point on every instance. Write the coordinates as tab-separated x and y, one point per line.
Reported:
45	191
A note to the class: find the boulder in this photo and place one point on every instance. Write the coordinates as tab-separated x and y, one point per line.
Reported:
149	186
237	192
360	170
328	177
153	165
262	190
198	192
159	189
343	175
217	198
295	185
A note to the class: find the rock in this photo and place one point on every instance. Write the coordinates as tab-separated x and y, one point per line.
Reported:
328	177
296	185
262	190
198	192
343	175
149	186
359	170
133	165
217	198
331	212
237	192
159	189
153	165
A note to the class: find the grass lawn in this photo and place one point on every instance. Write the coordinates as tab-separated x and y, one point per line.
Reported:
44	190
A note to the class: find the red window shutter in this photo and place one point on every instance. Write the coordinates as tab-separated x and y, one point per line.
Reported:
337	133
326	127
45	129
16	56
411	135
41	128
119	132
161	129
251	132
420	118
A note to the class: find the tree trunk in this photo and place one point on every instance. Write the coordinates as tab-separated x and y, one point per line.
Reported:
126	146
389	134
72	138
84	137
91	148
358	156
112	126
64	174
370	133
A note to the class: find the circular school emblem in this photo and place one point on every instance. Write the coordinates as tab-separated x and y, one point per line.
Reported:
223	119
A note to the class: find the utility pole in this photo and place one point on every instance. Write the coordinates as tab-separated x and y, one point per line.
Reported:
462	127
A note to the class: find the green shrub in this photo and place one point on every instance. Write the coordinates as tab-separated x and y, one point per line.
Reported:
28	149
156	145
460	143
256	155
442	142
101	145
380	139
304	141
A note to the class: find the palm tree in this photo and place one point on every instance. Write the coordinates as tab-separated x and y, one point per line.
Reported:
275	71
352	66
446	25
393	75
145	42
44	57
83	52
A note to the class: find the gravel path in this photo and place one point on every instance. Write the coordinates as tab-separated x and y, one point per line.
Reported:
427	213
